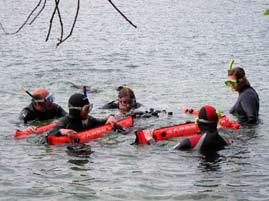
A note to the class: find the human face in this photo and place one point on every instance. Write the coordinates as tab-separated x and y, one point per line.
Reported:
40	106
49	101
44	104
125	103
232	82
85	110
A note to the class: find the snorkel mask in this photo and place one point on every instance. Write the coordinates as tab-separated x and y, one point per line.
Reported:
87	107
47	99
230	66
231	83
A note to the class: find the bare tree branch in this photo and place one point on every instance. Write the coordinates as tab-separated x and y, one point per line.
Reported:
44	4
51	20
24	23
57	10
57	2
73	26
121	13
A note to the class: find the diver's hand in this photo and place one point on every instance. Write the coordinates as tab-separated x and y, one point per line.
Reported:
31	129
68	132
111	120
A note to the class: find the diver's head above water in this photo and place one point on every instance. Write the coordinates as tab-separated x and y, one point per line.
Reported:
79	106
42	100
208	118
237	79
126	98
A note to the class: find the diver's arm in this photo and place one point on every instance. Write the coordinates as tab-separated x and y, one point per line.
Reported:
25	115
183	145
249	106
111	105
60	111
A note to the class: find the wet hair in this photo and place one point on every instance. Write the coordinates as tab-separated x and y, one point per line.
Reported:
125	91
238	72
240	76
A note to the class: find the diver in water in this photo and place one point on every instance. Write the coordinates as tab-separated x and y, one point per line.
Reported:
127	105
209	140
126	100
41	108
78	119
247	106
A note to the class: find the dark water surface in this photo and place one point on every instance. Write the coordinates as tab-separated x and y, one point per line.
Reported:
177	57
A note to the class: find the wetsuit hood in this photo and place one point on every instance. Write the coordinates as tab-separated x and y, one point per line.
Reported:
208	118
75	102
40	93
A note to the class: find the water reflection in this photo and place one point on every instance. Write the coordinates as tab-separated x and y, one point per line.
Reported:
210	162
169	61
246	134
79	150
78	162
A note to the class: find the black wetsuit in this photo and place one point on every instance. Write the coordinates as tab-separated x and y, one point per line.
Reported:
208	142
247	106
115	105
69	122
29	113
133	112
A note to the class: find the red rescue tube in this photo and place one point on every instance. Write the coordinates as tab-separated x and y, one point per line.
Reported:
178	130
143	136
165	133
224	121
88	135
37	130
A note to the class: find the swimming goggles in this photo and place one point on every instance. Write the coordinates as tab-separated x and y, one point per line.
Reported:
126	102
231	83
84	108
48	99
197	120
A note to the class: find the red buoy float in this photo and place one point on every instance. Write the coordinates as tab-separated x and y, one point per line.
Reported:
224	121
33	130
88	135
165	133
179	130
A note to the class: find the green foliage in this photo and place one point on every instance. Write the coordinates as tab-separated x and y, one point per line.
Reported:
266	12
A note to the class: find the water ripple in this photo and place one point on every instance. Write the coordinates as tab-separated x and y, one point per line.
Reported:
177	57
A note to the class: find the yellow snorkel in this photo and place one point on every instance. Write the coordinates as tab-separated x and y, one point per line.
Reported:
230	83
230	66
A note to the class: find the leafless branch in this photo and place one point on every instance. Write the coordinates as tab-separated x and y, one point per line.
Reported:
73	26
44	4
24	23
57	11
51	20
121	13
60	18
